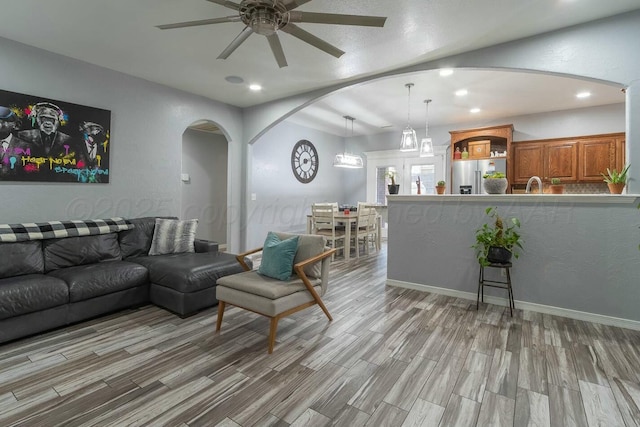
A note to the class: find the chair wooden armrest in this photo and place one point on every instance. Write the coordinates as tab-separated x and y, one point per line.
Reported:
313	259
299	269
240	257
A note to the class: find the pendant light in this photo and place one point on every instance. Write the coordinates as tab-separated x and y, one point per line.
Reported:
409	141
426	145
348	160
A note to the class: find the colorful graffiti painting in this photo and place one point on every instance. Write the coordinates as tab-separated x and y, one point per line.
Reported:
55	141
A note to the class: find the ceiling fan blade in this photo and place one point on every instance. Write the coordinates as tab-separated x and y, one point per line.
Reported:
307	37
236	42
333	18
292	4
276	48
225	3
234	18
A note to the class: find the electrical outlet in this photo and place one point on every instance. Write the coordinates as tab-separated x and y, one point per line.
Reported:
503	272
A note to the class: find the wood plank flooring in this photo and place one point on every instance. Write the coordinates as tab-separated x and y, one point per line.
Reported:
391	357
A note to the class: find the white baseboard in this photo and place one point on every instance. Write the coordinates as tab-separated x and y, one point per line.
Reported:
539	308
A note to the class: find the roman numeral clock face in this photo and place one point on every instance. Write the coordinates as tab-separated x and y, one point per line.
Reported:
304	161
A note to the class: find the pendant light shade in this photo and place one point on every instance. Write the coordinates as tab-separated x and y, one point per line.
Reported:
348	160
426	145
409	141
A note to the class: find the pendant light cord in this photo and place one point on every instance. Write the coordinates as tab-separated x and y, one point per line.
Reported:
426	125
408	85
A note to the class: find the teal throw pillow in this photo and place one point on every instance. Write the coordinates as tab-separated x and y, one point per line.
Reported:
277	257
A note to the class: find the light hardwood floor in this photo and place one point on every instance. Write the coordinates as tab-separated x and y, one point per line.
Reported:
391	357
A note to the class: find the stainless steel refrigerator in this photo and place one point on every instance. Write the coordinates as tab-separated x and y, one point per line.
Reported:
467	174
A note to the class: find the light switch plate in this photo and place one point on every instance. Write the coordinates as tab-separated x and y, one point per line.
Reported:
185	177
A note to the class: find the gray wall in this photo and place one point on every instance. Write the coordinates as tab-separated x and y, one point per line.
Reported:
578	256
147	121
204	196
282	202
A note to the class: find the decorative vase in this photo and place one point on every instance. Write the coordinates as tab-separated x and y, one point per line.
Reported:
616	188
440	189
499	255
495	185
556	189
393	188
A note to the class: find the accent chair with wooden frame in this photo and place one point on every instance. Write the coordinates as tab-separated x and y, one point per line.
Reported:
277	298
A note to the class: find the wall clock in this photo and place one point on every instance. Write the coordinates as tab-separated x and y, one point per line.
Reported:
304	161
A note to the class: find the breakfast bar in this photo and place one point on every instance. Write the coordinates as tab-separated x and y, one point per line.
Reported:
580	255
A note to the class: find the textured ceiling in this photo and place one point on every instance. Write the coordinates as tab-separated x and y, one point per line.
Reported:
122	35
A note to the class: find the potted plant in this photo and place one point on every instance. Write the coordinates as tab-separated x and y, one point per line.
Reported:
495	183
393	187
441	187
556	187
497	242
616	180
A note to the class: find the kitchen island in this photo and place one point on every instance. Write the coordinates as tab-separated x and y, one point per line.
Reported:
580	256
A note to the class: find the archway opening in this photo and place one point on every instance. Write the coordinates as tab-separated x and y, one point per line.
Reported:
204	180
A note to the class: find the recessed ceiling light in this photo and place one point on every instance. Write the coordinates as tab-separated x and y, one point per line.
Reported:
255	87
234	79
446	72
474	110
462	92
583	94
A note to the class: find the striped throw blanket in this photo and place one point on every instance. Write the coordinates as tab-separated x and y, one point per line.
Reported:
58	229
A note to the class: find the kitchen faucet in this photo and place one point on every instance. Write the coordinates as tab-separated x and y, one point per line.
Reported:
538	180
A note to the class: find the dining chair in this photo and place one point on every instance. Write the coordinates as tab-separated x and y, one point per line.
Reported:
324	223
365	229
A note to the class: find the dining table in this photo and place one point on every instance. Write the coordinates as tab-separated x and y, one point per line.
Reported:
347	219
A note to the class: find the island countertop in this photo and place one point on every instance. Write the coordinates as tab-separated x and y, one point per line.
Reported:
520	198
580	254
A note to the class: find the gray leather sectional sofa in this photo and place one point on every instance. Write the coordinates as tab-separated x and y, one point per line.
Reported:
45	284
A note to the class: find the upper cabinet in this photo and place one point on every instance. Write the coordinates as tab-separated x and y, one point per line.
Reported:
595	157
481	143
576	159
561	161
527	160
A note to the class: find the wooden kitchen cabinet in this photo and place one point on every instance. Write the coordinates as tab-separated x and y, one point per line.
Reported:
546	159
596	155
575	159
561	161
528	160
620	152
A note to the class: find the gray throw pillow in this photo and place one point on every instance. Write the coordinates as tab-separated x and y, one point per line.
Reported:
173	236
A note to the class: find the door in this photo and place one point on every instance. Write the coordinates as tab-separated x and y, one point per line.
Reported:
424	170
407	167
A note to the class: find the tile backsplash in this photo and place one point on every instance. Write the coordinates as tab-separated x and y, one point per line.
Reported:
587	188
581	188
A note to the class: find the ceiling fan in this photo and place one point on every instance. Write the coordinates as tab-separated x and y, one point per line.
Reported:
267	17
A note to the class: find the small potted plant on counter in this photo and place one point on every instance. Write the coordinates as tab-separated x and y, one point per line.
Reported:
495	183
441	187
497	242
556	187
616	180
393	187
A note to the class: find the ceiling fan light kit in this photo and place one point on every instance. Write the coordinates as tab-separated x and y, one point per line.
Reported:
268	17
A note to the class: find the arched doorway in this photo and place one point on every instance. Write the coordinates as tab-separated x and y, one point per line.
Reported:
204	180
